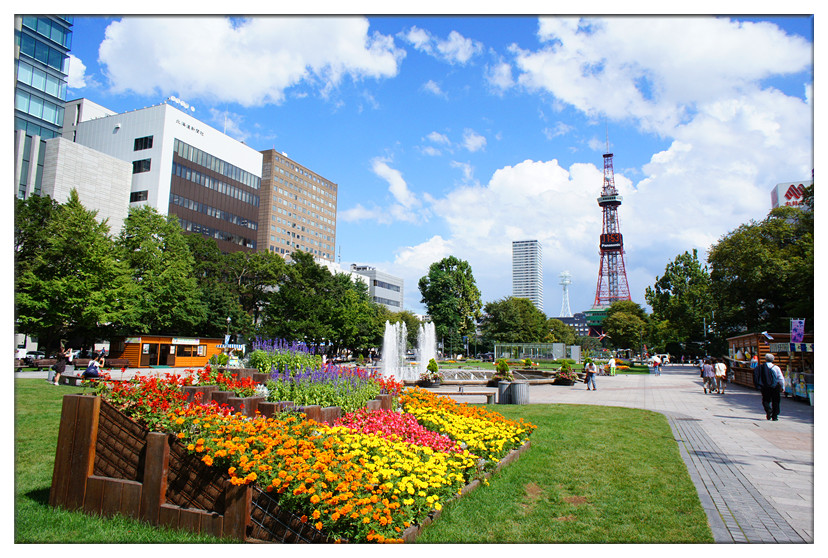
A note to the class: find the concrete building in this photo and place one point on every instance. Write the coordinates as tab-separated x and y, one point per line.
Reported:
527	271
384	289
103	182
41	55
297	208
182	167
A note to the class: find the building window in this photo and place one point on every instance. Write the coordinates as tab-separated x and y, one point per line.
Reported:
140	166
143	143
138	196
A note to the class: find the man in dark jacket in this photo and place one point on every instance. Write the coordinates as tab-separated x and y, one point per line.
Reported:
768	378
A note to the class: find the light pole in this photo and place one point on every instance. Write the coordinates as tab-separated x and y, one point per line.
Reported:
227	333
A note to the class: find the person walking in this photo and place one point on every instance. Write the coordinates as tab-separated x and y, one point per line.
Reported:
657	365
770	381
612	366
590	370
721	375
708	376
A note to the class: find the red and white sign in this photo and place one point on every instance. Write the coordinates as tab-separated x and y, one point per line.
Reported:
789	193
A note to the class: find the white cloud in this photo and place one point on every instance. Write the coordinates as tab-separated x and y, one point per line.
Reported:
456	49
433	87
657	70
248	61
76	78
559	129
499	76
473	141
439	138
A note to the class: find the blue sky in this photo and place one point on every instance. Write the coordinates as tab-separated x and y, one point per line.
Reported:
458	135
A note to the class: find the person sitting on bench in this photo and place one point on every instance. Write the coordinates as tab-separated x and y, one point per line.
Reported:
93	369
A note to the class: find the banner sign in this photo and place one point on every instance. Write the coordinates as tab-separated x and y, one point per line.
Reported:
797	331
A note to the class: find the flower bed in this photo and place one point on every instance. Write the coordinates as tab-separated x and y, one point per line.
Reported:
366	479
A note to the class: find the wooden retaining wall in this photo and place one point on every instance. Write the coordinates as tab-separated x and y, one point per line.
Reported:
105	463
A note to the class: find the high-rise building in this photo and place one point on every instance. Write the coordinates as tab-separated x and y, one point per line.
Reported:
297	208
527	271
384	289
183	167
41	59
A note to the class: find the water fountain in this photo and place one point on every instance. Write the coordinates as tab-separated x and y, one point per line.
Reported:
394	346
426	345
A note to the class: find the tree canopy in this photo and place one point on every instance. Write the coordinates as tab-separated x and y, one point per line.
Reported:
512	320
762	273
452	298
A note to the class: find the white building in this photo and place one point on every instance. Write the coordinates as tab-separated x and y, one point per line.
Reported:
527	271
384	289
181	166
789	193
103	182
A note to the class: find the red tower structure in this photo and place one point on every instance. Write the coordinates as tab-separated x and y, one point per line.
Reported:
612	276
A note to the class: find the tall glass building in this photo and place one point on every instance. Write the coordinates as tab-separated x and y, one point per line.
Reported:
527	271
41	66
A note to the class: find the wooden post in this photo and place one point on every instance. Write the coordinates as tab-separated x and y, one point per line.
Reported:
75	454
237	502
156	468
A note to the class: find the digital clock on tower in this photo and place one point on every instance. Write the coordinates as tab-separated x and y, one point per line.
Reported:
611	241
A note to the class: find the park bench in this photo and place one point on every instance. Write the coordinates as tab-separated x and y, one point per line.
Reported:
490	395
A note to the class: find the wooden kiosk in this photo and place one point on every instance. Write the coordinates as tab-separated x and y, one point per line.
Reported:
796	360
161	351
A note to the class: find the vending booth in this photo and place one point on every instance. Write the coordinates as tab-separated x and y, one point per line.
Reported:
161	351
796	360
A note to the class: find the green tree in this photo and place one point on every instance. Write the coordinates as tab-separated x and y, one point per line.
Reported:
626	325
762	273
221	301
452	298
70	283
169	299
559	332
355	318
512	320
300	309
681	301
252	276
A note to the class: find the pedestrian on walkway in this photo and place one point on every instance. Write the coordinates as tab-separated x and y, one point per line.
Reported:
721	375
612	366
657	365
590	369
708	376
769	380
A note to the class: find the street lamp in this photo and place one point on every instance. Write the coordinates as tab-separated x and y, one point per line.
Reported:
227	333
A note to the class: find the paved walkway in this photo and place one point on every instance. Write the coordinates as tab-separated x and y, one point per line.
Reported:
755	477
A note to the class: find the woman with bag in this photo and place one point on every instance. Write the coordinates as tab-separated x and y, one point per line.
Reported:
708	376
721	376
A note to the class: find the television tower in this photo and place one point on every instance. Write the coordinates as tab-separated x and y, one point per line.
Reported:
612	276
566	280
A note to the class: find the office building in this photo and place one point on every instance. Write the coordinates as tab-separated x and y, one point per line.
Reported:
577	321
297	208
182	167
384	289
527	271
41	56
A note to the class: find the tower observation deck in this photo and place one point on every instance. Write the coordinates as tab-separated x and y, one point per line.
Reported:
612	275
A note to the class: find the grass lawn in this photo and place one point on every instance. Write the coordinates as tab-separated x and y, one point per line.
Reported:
592	475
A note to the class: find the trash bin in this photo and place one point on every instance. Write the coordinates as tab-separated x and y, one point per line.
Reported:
504	392
520	393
